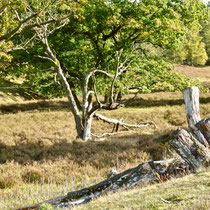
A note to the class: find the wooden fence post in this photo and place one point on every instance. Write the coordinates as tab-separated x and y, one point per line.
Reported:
191	99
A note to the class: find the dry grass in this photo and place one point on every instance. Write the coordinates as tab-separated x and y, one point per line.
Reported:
201	73
189	192
194	72
40	157
38	148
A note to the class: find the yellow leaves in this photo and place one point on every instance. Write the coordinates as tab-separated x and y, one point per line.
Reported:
172	25
5	46
4	59
113	20
83	2
158	22
84	48
65	7
145	34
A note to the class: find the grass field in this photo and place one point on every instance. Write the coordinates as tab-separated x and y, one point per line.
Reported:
40	157
189	192
201	73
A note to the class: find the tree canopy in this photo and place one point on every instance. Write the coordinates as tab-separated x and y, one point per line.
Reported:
93	47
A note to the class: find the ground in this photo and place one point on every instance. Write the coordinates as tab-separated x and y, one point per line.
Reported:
40	157
201	73
189	192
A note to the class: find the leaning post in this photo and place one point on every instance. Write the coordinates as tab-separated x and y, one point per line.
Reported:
191	99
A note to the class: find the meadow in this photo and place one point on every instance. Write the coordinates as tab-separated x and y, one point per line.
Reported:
41	158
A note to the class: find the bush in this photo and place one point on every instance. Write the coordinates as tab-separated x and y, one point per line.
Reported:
157	75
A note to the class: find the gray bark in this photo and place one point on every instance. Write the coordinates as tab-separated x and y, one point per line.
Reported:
193	147
148	172
204	127
65	85
190	149
122	123
87	128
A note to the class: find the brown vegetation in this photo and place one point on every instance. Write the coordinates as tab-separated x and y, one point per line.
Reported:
201	73
38	148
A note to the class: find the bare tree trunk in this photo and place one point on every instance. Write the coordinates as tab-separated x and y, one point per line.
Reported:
191	98
72	101
65	84
87	128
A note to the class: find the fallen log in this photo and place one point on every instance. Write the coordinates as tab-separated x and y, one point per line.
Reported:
145	173
204	128
190	149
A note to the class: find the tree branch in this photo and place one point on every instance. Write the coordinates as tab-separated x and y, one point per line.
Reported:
121	123
3	8
15	30
95	90
111	134
113	32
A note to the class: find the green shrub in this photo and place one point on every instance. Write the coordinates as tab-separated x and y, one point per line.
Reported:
46	206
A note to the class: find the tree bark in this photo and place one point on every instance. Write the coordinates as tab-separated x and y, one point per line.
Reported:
193	147
71	99
66	86
204	127
87	128
145	173
191	98
190	149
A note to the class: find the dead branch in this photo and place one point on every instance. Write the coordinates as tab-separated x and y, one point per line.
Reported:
111	134
144	173
122	123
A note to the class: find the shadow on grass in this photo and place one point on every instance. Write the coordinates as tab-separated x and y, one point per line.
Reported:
96	153
160	102
38	105
57	105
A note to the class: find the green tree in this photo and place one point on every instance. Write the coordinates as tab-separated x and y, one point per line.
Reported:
18	16
13	18
206	35
102	46
192	50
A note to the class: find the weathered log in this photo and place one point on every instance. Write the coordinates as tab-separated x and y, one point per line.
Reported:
190	149
149	172
204	127
191	98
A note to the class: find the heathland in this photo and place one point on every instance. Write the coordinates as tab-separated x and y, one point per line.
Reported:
41	158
